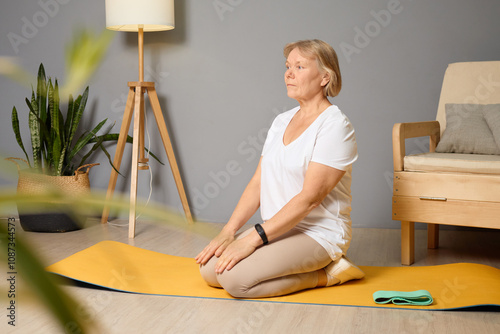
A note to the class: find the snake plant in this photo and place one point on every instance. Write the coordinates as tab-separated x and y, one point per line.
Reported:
55	149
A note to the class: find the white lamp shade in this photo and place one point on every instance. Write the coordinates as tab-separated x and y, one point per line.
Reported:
130	15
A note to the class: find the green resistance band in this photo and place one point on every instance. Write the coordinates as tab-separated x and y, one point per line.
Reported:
419	297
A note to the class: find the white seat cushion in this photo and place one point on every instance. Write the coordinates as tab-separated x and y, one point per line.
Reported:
453	162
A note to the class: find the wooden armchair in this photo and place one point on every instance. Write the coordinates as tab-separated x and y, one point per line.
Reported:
447	188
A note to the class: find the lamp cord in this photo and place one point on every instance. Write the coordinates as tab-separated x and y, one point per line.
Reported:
147	156
150	171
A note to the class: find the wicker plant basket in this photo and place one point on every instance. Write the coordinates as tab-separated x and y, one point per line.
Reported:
32	183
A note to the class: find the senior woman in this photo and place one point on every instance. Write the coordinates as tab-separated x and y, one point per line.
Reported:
302	186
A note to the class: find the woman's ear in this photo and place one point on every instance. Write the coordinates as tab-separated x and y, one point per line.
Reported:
326	79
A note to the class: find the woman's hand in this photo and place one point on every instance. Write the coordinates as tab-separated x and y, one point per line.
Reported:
215	247
234	253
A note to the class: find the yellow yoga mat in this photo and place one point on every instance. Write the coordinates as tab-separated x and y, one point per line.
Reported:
127	268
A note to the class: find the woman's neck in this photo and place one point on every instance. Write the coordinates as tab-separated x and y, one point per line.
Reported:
314	106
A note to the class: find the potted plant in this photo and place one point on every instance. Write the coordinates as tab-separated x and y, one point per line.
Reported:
58	162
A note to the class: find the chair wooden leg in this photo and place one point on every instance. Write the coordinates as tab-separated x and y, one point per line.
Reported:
432	236
407	243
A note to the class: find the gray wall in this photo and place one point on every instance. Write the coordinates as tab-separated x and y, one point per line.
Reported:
219	76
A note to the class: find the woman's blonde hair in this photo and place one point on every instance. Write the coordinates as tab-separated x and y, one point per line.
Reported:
326	58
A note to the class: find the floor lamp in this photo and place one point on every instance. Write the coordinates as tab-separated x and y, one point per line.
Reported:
140	16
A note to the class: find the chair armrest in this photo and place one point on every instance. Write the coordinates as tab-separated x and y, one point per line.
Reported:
402	131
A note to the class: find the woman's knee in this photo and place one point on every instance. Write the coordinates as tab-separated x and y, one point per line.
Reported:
225	280
234	284
207	272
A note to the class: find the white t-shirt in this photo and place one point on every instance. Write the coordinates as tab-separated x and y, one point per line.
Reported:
329	140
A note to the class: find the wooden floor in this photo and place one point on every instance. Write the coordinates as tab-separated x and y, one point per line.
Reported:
118	312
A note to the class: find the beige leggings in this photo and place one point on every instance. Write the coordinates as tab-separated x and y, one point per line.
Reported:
285	265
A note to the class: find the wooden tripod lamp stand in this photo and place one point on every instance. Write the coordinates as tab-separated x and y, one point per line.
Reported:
140	16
